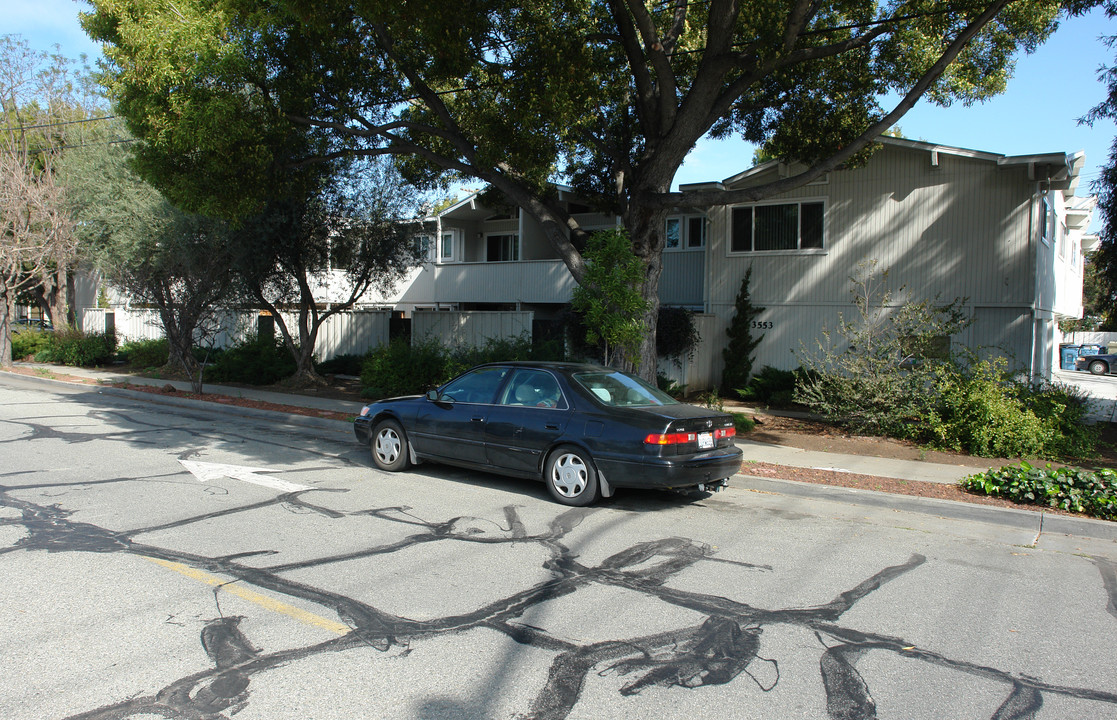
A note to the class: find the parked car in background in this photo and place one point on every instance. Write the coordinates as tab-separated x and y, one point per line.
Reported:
584	430
30	324
1098	364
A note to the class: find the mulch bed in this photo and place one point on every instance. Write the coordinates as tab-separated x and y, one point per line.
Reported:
938	491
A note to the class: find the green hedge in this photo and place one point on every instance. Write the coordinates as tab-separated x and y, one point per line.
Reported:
403	368
145	353
29	343
1073	489
70	346
255	361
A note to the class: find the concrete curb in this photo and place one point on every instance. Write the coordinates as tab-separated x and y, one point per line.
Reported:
288	419
273	417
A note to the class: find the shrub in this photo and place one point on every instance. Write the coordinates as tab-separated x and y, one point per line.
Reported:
30	342
145	353
1073	489
255	361
348	364
870	372
676	335
669	386
980	408
771	386
71	346
1063	409
494	350
400	368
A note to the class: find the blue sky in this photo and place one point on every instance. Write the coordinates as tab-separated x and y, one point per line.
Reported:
1038	113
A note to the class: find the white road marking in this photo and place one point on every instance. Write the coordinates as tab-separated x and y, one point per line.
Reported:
205	472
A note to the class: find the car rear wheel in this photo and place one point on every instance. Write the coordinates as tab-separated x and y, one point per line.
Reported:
570	477
1098	367
389	446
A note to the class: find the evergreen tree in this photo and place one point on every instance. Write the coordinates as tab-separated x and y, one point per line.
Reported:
739	353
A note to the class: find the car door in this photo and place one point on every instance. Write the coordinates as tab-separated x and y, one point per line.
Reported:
453	426
530	414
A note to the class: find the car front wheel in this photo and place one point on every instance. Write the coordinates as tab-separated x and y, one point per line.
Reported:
570	477
389	446
1099	368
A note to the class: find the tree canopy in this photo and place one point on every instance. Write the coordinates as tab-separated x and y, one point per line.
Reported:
178	262
1100	276
228	96
347	232
44	103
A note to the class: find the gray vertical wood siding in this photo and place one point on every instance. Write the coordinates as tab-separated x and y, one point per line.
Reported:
961	229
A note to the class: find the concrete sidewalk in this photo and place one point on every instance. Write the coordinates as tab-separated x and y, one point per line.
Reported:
856	464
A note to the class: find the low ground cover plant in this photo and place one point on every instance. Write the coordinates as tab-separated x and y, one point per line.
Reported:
1067	488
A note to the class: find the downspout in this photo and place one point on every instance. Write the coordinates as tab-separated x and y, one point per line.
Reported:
437	257
1033	247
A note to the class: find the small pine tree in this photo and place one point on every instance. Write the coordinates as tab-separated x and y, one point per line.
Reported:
739	353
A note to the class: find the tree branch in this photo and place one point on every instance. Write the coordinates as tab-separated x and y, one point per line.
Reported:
753	194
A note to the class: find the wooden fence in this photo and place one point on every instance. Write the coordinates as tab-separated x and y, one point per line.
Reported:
355	333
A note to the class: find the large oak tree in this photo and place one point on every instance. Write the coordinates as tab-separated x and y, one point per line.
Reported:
609	95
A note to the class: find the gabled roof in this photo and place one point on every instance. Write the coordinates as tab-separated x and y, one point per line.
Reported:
1060	169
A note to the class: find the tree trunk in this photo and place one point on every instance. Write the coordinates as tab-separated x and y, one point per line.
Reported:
180	347
5	323
646	228
303	352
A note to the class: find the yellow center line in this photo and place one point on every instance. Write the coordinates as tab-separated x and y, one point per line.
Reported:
252	596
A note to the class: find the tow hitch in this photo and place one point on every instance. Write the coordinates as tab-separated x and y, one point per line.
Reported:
715	486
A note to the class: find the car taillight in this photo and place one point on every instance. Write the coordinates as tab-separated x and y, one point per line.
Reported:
671	439
682	438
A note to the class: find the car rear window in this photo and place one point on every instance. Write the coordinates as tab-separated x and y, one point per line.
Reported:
617	389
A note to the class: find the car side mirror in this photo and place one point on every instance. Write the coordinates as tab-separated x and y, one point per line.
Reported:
432	395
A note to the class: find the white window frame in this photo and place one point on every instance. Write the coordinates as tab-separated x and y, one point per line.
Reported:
453	236
1045	221
799	249
425	254
504	233
684	222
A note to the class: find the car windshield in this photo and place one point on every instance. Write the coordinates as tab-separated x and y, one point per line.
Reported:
617	389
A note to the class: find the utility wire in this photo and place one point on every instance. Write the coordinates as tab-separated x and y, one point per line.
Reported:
58	124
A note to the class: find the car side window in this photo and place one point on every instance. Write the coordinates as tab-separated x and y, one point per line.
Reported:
478	386
533	388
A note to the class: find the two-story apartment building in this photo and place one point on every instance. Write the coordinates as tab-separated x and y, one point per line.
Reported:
1004	232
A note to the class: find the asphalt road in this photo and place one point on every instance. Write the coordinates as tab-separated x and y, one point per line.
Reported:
1101	389
173	563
